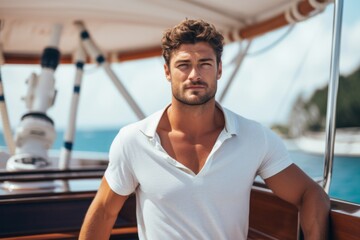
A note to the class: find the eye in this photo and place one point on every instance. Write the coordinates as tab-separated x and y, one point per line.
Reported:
206	65
182	66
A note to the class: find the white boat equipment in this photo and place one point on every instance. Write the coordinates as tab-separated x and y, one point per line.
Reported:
36	133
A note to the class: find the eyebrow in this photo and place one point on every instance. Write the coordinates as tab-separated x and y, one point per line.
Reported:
206	60
187	61
181	61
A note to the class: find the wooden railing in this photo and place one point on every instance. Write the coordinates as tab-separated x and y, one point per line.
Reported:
60	215
272	218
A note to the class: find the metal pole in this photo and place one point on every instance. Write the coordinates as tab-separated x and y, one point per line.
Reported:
95	54
66	150
9	140
332	95
121	88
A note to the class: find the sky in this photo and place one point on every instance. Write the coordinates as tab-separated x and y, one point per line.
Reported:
264	89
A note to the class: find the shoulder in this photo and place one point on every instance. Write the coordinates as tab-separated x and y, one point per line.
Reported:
130	138
250	130
146	125
241	125
143	128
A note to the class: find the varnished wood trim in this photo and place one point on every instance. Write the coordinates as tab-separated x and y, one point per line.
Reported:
11	58
46	236
345	221
272	216
73	235
257	235
276	22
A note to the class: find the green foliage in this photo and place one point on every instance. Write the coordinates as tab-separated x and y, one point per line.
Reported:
348	103
281	129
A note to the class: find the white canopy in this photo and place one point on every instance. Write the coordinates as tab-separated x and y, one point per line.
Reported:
130	29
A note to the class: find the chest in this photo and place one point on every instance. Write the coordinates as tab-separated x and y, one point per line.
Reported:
227	172
190	152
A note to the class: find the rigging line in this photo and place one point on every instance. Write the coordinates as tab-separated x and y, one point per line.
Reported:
273	44
238	62
295	77
234	59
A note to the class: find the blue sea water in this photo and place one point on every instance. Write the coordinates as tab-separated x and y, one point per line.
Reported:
345	184
345	176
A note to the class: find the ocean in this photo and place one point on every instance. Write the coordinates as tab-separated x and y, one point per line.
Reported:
345	178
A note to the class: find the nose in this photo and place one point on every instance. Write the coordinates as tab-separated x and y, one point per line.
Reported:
194	74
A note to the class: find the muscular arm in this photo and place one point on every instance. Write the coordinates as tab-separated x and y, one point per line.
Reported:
102	213
294	186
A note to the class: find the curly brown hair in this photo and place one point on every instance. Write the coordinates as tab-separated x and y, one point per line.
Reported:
191	32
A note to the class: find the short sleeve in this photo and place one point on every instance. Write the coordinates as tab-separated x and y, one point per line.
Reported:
276	157
119	173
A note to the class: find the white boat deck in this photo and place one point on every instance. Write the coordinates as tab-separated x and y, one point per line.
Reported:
347	142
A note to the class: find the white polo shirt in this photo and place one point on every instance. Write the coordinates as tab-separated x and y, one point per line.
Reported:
175	203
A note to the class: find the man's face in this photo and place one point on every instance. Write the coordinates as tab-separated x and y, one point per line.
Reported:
193	73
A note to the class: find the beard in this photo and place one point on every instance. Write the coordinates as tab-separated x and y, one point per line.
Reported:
197	97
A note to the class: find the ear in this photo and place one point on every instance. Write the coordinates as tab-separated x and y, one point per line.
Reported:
219	72
167	72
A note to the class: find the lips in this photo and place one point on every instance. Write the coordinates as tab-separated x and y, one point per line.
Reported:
196	86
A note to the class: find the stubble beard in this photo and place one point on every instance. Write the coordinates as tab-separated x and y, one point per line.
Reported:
199	100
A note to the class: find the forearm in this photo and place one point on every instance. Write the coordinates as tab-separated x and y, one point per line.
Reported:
314	214
97	224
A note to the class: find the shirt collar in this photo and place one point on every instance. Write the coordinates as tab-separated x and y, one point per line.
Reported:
231	121
150	124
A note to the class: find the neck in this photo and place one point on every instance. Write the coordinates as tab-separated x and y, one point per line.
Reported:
195	119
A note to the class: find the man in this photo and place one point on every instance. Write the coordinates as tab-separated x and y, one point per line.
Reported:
192	164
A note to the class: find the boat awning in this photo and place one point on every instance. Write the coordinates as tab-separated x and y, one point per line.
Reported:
132	29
